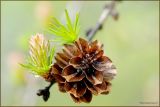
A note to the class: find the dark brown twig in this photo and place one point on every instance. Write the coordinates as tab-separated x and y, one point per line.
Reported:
45	93
109	9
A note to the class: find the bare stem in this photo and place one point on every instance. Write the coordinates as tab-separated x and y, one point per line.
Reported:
109	9
45	93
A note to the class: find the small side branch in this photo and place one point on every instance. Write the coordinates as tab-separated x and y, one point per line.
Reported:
109	9
45	93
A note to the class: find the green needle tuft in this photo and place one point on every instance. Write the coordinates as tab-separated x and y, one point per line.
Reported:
40	55
65	34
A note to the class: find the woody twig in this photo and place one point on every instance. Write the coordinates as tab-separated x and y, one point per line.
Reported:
109	10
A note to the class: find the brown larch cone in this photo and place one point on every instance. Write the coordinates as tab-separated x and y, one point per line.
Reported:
82	70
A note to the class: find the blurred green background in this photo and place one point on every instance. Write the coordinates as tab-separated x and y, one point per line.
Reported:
132	43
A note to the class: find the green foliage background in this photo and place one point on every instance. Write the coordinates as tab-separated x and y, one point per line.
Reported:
132	43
